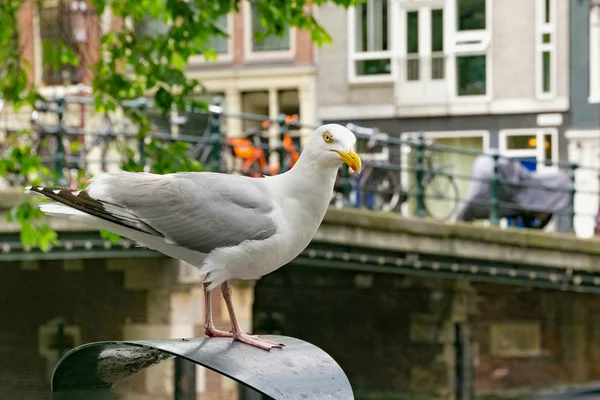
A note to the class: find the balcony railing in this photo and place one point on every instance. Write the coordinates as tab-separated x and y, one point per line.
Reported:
401	176
418	67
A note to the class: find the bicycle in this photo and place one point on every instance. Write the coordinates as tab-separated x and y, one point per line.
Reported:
249	151
379	187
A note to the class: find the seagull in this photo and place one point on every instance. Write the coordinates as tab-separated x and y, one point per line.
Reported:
228	226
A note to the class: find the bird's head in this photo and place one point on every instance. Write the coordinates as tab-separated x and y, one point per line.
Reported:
332	145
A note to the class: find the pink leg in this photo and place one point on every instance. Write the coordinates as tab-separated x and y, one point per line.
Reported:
209	326
238	334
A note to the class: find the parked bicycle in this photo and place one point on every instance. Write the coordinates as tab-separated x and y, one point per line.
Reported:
379	187
249	155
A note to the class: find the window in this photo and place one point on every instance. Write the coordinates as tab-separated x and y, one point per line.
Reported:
269	43
546	48
370	45
536	149
412	46
471	15
471	75
462	164
220	43
594	55
471	42
422	43
437	44
55	34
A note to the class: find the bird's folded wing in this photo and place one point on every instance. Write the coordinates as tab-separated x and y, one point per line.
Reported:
198	211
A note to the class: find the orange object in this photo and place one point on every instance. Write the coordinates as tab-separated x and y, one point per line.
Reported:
255	160
242	148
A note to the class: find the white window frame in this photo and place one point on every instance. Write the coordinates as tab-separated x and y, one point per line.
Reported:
199	59
539	152
543	28
354	56
594	96
250	54
425	55
404	149
459	44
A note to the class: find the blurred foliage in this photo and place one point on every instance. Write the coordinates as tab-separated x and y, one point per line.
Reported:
145	56
20	165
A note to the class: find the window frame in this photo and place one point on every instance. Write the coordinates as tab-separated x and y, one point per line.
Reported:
456	76
540	132
468	43
250	54
222	58
542	28
594	57
354	56
39	53
412	135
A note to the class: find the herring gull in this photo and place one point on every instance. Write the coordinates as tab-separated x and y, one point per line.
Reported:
228	226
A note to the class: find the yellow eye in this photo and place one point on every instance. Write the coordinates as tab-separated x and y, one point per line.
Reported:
327	137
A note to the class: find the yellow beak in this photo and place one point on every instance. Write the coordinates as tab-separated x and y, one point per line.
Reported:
351	159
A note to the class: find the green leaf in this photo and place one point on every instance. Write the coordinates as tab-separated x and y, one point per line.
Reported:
112	237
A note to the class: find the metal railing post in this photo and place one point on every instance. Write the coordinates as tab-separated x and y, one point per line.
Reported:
283	128
495	188
419	171
215	135
572	168
346	186
142	150
142	138
59	161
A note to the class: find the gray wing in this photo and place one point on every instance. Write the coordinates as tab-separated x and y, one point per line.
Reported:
199	211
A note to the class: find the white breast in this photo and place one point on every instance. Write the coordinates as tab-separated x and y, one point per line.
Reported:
300	210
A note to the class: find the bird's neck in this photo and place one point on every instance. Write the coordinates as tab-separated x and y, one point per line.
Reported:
311	186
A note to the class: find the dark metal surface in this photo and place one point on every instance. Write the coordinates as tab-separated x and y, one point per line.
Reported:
299	371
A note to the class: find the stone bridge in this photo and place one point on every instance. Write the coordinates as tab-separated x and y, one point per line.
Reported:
384	243
429	276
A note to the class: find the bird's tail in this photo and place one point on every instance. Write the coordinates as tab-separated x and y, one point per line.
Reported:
214	276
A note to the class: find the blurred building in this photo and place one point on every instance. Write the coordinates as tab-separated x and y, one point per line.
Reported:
277	75
583	133
475	74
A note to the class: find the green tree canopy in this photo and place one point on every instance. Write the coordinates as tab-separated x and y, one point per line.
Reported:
145	57
137	61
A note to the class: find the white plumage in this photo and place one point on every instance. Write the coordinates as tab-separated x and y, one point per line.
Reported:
228	226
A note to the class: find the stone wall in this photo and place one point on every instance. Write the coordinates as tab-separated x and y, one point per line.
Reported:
534	339
391	334
394	335
98	300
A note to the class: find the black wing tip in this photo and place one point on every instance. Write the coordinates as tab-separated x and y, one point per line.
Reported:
54	191
80	199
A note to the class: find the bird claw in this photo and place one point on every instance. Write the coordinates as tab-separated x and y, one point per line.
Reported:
254	340
213	332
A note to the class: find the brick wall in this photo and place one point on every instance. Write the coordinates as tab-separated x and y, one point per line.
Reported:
303	42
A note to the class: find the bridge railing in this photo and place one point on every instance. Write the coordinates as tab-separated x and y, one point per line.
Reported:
487	186
399	175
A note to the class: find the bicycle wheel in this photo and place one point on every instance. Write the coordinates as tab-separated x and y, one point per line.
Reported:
441	196
381	190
